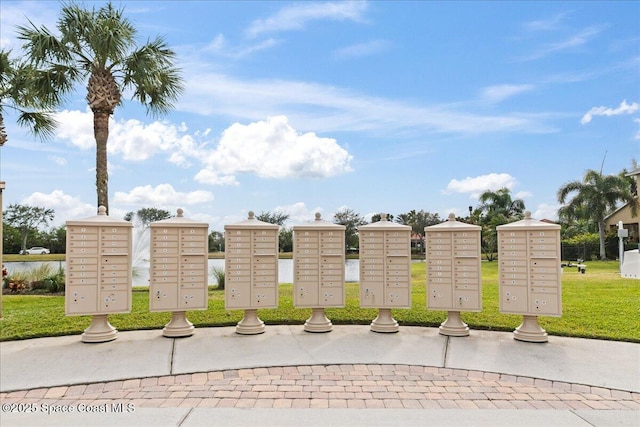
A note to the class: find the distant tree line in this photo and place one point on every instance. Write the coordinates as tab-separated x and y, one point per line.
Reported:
585	204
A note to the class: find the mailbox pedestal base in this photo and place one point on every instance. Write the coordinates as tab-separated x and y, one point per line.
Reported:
250	323
179	326
454	326
530	330
318	322
384	322
100	330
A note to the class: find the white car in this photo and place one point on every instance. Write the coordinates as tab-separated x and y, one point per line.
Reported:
36	250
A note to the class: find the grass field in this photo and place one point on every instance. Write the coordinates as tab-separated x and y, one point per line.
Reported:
598	304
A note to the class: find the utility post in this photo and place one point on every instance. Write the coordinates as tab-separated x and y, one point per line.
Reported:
622	233
2	185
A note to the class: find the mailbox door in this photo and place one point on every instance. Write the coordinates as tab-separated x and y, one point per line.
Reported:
163	296
113	302
439	296
81	300
193	299
398	297
513	299
372	293
331	296
466	300
544	303
264	297
237	295
306	293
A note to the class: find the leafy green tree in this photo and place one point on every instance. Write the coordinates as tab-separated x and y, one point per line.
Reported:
496	208
378	217
500	203
285	237
351	220
285	240
278	218
30	92
418	220
27	219
594	198
100	46
11	240
216	241
55	239
145	216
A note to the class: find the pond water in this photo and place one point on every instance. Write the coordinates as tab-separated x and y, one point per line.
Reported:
141	272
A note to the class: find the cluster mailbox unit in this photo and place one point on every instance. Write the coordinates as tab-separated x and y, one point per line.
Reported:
454	278
251	270
98	272
99	257
385	270
530	274
178	279
318	270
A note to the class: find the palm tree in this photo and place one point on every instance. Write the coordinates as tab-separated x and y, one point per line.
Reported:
496	208
500	203
594	197
31	93
100	45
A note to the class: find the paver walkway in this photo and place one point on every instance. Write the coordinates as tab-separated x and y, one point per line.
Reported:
359	386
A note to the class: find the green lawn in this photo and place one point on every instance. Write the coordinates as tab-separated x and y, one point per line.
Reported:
598	304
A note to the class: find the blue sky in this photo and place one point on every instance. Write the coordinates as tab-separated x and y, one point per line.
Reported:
376	106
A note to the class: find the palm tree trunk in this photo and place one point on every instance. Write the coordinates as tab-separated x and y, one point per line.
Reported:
101	133
603	253
3	133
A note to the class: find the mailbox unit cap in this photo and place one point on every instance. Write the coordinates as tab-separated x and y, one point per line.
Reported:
385	224
178	221
101	219
451	224
528	223
252	222
319	223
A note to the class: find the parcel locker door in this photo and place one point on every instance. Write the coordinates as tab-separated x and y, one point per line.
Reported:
163	297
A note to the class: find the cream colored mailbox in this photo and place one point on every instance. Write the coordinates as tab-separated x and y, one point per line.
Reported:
251	270
98	263
178	277
385	270
318	270
454	280
530	274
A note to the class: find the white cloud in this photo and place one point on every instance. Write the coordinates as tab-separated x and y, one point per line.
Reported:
162	195
551	23
362	49
15	13
624	108
65	206
576	40
220	46
132	139
137	141
217	44
499	93
297	15
60	161
299	213
328	108
479	184
546	211
273	149
77	127
523	194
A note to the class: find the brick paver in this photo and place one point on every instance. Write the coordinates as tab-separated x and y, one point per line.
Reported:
338	386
